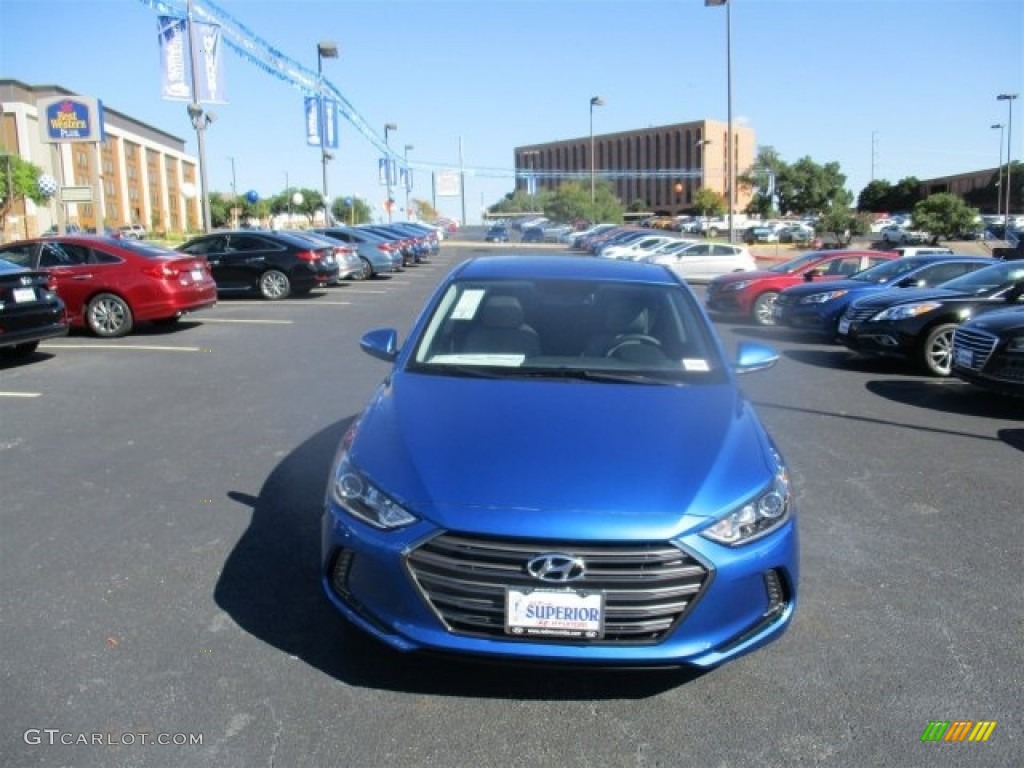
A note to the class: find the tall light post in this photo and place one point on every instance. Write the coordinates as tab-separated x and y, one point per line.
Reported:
200	121
595	101
408	177
234	185
388	127
729	170
1009	98
325	49
999	171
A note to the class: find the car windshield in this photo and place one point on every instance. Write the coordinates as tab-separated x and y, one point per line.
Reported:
595	330
887	271
797	264
988	280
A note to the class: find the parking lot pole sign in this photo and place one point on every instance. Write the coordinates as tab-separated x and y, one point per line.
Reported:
74	120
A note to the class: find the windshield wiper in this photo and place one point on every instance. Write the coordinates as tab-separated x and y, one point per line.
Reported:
589	374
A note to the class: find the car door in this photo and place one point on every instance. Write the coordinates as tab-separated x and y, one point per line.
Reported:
249	256
215	250
936	274
75	277
694	262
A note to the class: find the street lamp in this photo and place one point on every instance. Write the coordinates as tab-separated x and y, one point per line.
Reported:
1009	99
729	141
999	180
595	101
200	121
408	177
325	49
388	127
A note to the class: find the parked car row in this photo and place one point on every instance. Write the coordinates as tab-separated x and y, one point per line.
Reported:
109	285
946	314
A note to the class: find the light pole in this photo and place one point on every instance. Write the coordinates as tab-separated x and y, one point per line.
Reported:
729	171
595	101
234	186
999	179
1009	99
200	120
388	127
325	49
408	177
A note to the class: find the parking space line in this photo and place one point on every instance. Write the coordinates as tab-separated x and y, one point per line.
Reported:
280	304
132	347
21	394
254	322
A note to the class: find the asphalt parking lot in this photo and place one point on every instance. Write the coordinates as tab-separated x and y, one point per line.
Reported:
160	542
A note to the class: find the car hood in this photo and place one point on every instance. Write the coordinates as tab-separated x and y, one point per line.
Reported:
560	458
1000	321
734	277
909	296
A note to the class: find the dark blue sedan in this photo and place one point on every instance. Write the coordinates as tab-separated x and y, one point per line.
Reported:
815	307
560	466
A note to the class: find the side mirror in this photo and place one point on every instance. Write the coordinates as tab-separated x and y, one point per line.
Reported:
381	343
752	356
810	274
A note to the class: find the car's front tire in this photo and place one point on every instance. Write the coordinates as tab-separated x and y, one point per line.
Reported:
763	308
937	350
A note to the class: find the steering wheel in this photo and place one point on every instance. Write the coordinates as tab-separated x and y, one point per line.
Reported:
631	340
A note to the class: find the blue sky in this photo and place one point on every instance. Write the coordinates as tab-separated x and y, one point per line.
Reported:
885	88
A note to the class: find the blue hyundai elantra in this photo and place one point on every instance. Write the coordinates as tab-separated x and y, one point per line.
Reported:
561	467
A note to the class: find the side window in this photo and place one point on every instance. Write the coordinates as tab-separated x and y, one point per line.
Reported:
940	273
698	250
19	254
63	255
843	266
249	243
209	245
102	257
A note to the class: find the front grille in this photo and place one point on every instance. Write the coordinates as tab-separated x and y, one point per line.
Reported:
857	314
648	587
980	345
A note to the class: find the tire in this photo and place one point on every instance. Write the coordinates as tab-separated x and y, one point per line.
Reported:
274	285
937	350
367	271
761	311
109	316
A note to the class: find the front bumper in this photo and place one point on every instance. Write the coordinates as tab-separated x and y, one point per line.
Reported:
745	599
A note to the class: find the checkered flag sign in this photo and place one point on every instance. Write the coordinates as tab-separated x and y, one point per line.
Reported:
47	185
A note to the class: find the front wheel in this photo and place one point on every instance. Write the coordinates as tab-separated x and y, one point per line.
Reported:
763	312
937	350
274	285
109	316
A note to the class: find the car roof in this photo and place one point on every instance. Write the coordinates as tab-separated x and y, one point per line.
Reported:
559	267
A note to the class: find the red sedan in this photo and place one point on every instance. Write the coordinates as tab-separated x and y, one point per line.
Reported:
751	295
110	284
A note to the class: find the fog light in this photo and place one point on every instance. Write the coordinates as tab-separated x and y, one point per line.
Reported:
776	593
340	570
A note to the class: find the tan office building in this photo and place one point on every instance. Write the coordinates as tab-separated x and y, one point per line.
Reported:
137	174
662	167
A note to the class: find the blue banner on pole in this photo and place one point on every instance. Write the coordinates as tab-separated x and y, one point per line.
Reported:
329	121
210	62
312	122
173	58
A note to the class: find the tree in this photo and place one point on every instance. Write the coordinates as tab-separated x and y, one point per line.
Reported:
761	177
425	209
359	212
944	216
806	187
19	180
709	202
875	197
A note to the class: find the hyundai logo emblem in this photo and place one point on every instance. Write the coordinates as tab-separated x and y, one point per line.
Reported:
557	567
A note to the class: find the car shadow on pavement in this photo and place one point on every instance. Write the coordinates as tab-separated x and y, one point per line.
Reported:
1012	437
270	586
840	358
949	396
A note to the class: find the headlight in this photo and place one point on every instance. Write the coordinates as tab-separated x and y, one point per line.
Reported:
738	285
821	298
1015	344
904	311
757	517
351	491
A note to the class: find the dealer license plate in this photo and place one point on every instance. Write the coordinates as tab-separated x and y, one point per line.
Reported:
963	358
24	294
844	325
554	613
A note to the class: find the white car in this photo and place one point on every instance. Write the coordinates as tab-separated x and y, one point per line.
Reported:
700	262
637	248
896	234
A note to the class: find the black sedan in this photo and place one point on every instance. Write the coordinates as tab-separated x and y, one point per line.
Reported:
917	324
989	351
29	310
274	263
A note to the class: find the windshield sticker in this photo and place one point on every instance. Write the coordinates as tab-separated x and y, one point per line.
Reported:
695	364
469	301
